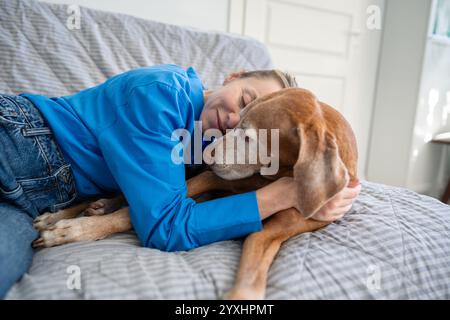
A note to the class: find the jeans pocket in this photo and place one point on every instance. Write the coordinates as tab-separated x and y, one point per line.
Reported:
10	112
17	197
51	193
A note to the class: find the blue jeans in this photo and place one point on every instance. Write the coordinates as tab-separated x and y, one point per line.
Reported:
34	178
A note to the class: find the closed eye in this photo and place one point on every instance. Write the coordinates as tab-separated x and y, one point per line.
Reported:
246	94
242	102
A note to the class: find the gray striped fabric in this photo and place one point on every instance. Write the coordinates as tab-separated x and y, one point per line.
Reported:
394	244
40	54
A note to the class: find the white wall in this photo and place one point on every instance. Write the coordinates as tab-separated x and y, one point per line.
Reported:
412	102
429	163
202	14
404	37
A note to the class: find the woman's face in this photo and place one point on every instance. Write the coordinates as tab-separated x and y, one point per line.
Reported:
223	105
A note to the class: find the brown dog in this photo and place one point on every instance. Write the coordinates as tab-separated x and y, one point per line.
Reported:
316	146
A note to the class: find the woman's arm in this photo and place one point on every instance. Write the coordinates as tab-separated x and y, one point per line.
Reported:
281	194
277	196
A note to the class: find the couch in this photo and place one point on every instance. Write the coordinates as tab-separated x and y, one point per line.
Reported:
393	244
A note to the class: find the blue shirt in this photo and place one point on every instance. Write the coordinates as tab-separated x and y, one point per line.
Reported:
117	137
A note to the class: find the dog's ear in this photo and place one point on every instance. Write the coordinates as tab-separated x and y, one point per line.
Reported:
319	171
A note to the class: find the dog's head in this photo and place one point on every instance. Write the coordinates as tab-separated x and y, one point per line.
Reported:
312	142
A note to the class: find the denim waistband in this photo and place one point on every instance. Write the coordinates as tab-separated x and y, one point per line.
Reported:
33	170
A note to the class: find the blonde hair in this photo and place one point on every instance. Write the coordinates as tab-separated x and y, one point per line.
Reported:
284	78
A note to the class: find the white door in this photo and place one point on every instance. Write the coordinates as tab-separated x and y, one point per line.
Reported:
327	45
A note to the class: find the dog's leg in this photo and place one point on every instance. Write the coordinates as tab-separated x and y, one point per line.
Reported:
208	181
84	229
105	205
47	220
202	183
260	249
59	228
100	226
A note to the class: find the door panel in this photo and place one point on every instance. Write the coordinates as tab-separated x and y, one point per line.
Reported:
324	32
327	46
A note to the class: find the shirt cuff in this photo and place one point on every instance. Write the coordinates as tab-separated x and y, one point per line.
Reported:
228	218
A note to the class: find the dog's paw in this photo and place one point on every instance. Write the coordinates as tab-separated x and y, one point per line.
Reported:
45	221
103	206
60	233
69	230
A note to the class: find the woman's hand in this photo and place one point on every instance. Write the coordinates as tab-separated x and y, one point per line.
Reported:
340	204
281	195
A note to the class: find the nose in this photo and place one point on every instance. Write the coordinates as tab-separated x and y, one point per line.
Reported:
233	119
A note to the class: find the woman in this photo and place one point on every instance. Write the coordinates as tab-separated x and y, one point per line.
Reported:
117	137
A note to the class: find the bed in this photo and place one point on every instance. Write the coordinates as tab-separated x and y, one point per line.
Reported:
393	244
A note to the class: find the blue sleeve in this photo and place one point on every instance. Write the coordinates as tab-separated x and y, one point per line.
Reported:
137	149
